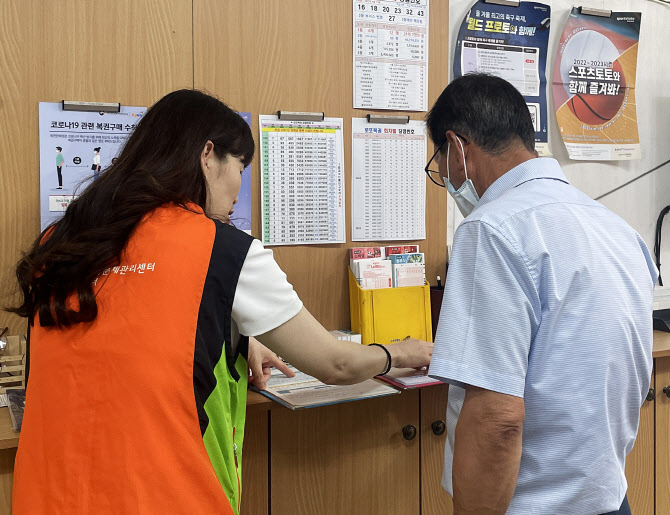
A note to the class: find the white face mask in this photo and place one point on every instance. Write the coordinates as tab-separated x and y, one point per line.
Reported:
466	196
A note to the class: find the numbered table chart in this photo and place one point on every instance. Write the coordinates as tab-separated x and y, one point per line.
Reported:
302	181
388	183
390	54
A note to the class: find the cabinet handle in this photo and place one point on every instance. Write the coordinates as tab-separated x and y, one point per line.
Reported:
651	396
438	427
409	432
666	390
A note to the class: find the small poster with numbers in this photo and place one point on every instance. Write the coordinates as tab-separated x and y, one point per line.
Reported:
302	181
388	186
391	54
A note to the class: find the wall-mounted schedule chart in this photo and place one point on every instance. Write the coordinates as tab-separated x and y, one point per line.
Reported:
388	184
302	181
391	54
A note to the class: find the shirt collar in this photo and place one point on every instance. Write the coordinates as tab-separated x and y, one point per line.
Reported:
538	168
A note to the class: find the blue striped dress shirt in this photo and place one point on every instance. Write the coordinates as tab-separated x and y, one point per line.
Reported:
549	298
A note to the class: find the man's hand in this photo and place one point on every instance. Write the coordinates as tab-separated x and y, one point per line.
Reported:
260	360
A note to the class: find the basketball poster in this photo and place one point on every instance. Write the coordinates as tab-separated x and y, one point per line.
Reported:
511	43
594	86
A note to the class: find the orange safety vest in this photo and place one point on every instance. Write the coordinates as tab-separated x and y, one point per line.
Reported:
142	410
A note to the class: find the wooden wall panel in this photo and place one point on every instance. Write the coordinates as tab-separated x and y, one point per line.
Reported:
434	499
255	459
640	463
662	480
125	51
348	458
296	55
7	457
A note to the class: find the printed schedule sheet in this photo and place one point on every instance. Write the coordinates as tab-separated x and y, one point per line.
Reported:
388	183
391	54
302	181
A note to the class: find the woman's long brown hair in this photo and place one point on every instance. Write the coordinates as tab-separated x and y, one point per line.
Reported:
159	164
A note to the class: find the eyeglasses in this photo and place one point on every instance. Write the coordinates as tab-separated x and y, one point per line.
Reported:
427	169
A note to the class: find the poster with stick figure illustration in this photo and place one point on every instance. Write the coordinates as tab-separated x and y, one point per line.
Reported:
594	86
75	148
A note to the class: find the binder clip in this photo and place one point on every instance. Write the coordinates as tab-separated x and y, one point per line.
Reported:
299	116
507	3
97	107
590	11
383	118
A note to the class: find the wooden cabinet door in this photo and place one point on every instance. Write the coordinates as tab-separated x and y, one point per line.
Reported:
255	462
6	475
662	436
640	463
434	499
347	458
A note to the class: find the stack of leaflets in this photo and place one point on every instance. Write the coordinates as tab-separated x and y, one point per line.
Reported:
370	268
387	267
408	269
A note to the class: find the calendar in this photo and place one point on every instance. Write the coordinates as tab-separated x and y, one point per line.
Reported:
388	183
302	181
390	54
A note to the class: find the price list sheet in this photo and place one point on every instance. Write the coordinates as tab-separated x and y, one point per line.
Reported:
391	54
388	183
302	181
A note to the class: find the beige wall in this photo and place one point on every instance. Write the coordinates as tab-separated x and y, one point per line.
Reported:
125	51
255	55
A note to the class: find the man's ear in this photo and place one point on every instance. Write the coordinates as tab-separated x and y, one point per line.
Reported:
456	144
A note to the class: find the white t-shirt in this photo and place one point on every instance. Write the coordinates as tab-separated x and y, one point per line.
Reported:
96	159
264	298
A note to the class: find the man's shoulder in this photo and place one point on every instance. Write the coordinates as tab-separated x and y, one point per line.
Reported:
519	203
534	215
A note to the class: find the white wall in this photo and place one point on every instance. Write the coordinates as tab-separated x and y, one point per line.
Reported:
639	203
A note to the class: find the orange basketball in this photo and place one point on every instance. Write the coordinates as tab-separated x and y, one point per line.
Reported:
599	109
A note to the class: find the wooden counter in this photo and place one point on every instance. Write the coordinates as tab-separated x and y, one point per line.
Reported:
10	438
258	401
334	425
661	344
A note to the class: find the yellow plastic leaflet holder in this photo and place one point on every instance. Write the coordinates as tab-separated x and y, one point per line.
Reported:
388	315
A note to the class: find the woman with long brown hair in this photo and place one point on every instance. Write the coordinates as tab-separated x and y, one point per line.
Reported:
138	299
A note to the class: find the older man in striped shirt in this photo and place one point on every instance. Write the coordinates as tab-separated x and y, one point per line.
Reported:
545	332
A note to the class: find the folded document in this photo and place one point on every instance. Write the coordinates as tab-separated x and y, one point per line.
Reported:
305	391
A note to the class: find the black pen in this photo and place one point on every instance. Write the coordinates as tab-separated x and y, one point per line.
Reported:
439	283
